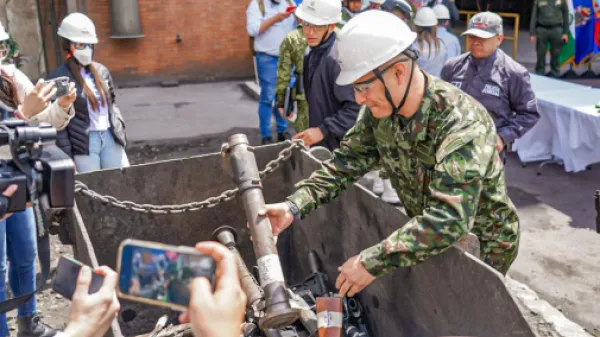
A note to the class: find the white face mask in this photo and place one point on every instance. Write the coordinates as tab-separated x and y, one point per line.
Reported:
84	56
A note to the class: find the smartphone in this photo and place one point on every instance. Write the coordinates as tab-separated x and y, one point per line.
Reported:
290	9
65	279
158	274
62	86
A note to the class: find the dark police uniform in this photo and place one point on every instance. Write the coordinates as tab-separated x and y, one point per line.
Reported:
502	86
549	22
499	83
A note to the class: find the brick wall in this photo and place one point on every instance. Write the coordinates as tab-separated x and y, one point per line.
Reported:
214	42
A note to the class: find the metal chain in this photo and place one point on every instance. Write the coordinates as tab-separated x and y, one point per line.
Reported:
228	195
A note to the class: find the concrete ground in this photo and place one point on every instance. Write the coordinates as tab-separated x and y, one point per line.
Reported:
558	254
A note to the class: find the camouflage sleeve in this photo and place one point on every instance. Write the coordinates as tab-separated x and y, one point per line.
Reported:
356	156
284	69
463	157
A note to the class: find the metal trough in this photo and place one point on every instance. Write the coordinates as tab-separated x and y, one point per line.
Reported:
452	294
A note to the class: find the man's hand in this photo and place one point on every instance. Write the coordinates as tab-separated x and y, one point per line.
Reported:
310	136
38	98
66	101
91	315
499	145
353	277
532	38
280	216
8	192
218	314
565	38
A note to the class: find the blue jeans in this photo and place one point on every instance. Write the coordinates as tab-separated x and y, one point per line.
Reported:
18	243
266	66
105	153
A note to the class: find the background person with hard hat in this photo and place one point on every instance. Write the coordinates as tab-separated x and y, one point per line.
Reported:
432	51
450	40
451	6
95	138
351	8
376	4
436	143
402	9
493	78
268	23
291	66
29	102
549	26
331	107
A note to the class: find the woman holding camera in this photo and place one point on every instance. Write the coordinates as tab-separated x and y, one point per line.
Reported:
95	138
19	98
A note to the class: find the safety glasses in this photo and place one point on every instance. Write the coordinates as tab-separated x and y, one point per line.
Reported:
363	86
81	46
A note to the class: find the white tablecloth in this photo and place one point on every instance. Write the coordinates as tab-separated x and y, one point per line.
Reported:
569	126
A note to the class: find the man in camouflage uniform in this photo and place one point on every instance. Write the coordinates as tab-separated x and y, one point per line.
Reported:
291	58
437	144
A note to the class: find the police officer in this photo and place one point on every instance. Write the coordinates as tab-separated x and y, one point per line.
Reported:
493	78
436	143
549	25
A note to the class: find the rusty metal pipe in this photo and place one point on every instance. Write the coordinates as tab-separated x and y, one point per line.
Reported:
228	237
279	312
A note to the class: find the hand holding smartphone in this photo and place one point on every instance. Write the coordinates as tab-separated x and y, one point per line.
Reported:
158	274
62	86
65	279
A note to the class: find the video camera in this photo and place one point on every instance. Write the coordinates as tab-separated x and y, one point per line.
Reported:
33	154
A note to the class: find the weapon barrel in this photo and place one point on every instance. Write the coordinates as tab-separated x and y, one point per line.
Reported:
279	312
227	236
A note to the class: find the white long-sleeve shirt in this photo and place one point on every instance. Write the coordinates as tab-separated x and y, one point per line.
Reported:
53	113
451	41
269	41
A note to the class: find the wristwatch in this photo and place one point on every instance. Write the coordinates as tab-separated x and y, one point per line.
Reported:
294	209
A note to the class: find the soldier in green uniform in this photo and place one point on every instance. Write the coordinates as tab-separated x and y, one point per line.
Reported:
549	25
437	144
291	59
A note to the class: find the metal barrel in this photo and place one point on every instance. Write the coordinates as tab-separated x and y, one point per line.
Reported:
279	312
228	237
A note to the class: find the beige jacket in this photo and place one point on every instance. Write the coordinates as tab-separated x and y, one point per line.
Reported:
53	114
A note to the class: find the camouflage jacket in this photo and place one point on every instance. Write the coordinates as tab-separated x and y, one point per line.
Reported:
291	54
445	167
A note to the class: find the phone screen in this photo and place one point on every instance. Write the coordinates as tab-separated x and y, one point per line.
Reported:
159	274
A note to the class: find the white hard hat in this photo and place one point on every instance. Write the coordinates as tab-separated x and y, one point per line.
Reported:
79	28
320	12
441	12
379	2
426	18
369	40
3	33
